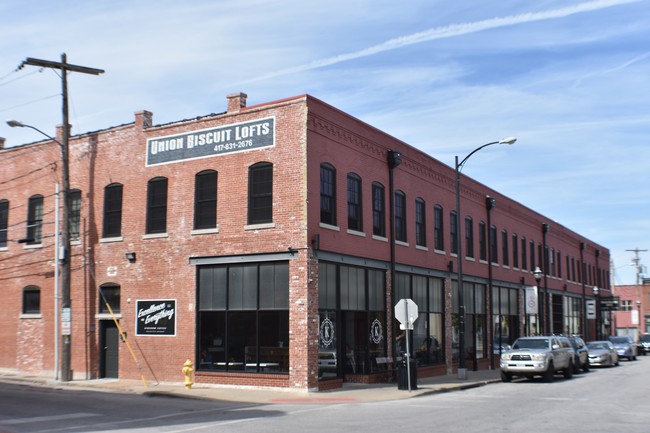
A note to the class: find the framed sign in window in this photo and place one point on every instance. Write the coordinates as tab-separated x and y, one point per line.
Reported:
156	318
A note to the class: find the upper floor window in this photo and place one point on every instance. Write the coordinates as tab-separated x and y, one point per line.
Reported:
4	222
327	194
524	255
504	247
35	220
378	210
354	203
420	223
469	237
205	200
31	300
260	193
532	256
109	296
112	211
74	219
492	239
453	231
157	205
515	251
482	241
400	216
438	229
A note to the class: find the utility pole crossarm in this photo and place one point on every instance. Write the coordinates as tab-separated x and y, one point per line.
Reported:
60	65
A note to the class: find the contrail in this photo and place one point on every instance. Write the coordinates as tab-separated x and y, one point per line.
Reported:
448	32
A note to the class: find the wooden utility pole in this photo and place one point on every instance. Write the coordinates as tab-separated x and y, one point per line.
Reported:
64	263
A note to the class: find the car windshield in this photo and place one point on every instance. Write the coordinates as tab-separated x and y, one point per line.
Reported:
531	343
593	346
619	340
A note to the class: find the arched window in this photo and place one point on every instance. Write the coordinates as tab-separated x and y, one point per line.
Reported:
327	194
112	211
260	193
157	205
205	200
354	203
109	296
31	300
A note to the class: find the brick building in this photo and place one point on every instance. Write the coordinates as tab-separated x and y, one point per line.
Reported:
257	243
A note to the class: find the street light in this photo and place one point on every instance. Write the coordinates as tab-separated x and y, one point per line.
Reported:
64	258
596	293
537	273
462	371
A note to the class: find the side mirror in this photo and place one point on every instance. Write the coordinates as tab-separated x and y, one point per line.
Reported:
555	347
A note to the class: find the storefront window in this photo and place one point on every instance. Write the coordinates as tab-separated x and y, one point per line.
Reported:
244	317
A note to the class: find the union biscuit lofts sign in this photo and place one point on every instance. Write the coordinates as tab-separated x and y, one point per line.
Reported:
206	143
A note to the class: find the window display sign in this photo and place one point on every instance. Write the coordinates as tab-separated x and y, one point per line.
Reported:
156	318
205	143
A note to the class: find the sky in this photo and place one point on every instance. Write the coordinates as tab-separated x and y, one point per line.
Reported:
570	79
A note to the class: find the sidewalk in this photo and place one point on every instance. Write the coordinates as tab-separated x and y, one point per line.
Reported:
350	392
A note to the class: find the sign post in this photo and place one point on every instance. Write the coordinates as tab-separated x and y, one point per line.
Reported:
406	312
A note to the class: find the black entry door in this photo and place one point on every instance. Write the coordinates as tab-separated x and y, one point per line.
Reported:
108	349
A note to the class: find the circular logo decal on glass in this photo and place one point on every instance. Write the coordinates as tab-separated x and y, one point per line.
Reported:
326	332
376	332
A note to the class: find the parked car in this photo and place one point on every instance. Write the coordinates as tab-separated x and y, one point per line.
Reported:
581	359
625	347
538	356
602	354
644	344
496	350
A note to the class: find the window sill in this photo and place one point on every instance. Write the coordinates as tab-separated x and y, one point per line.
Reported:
380	238
440	252
4	248
31	316
33	246
356	233
330	227
205	231
109	240
155	236
421	248
402	243
107	316
259	226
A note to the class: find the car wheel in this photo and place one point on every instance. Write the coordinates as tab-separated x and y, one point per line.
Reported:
506	377
585	367
568	372
576	366
548	374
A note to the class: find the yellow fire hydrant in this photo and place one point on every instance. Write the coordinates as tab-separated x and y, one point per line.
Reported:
188	369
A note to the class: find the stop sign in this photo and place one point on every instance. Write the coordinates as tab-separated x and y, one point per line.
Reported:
406	312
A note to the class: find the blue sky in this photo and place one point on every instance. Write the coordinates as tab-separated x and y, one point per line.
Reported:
569	79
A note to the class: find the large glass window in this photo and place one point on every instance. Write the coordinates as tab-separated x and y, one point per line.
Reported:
4	222
260	193
112	211
31	300
475	321
420	223
355	221
205	200
74	219
352	320
378	210
400	216
157	205
438	228
35	220
427	338
244	317
505	318
327	194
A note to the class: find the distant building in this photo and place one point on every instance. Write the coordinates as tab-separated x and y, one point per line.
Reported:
633	315
258	244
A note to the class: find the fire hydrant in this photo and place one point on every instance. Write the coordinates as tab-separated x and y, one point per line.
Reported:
188	369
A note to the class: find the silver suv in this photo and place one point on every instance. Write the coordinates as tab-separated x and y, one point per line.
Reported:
538	356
